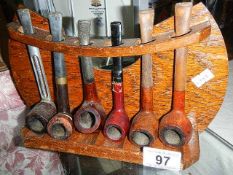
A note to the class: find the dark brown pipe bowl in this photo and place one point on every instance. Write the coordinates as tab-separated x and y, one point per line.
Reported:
60	126
39	116
175	129
143	130
89	117
117	125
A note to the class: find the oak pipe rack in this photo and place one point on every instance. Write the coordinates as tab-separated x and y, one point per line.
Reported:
206	50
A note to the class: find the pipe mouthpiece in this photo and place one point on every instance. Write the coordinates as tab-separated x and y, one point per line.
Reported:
184	4
25	20
84	27
55	23
146	20
182	17
116	33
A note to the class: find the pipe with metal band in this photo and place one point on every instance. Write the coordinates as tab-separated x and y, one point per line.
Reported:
60	126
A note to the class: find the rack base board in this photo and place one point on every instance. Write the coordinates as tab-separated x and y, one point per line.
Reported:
96	145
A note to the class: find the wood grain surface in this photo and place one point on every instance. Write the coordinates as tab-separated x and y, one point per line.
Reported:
96	145
203	103
102	47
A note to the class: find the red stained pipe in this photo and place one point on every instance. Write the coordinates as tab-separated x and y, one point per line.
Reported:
117	123
175	128
90	115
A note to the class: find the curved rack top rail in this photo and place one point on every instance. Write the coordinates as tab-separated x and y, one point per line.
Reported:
102	48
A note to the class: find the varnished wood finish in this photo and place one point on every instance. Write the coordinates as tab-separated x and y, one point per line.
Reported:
144	126
60	126
91	115
203	102
92	109
117	123
38	117
175	129
102	48
96	145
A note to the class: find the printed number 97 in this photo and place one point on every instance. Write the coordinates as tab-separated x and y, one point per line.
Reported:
159	159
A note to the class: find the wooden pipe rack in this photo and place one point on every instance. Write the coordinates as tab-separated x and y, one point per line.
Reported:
201	41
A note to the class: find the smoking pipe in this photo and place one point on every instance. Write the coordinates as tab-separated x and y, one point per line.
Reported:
60	126
38	117
143	130
90	115
117	124
175	129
